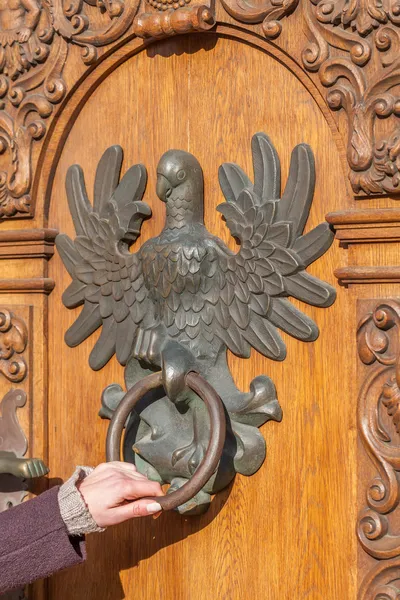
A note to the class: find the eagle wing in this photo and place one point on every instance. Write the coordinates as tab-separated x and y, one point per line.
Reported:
106	278
274	253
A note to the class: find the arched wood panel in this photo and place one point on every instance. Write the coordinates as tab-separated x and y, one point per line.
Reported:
280	533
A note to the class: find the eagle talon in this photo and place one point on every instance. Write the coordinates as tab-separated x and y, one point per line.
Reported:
176	362
148	344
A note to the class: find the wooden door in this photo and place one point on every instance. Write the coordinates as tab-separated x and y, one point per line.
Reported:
318	519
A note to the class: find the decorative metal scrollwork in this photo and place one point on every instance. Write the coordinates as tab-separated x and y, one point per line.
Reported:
13	446
184	298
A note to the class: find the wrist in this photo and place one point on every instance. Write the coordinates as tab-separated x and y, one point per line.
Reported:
74	511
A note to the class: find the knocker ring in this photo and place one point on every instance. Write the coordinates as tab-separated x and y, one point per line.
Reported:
215	445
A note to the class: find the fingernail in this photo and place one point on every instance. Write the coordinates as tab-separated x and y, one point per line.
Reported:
152	508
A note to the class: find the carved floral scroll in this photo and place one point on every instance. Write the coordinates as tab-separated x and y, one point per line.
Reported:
13	340
354	48
269	13
378	427
15	467
34	45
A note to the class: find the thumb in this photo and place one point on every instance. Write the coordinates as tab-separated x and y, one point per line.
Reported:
138	508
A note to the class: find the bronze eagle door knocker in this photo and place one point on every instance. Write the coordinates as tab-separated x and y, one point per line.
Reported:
184	298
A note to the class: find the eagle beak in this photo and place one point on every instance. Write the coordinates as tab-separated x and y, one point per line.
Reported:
163	188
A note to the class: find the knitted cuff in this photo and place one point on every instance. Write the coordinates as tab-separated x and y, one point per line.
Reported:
73	509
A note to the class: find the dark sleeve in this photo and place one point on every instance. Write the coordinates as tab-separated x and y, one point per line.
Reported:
34	542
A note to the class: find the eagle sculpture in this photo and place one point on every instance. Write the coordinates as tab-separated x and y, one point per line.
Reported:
184	298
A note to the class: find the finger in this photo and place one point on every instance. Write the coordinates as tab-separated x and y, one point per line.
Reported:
119	464
100	468
133	490
111	469
127	469
130	474
139	508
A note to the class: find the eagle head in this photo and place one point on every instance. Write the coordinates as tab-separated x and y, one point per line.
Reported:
180	186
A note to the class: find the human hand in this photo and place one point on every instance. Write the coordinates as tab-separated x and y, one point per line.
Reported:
115	492
24	34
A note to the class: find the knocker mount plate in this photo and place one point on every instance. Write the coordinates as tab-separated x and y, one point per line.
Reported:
183	299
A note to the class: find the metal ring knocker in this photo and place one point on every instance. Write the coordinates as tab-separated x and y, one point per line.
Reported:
217	433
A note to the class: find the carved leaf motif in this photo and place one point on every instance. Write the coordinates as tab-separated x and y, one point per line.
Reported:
361	15
375	335
378	346
33	51
341	47
270	12
391	400
13	340
382	583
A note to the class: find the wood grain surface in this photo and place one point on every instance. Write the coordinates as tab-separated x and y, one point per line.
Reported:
288	531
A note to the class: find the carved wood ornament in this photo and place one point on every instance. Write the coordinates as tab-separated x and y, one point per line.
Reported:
353	50
15	468
378	426
13	340
34	45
